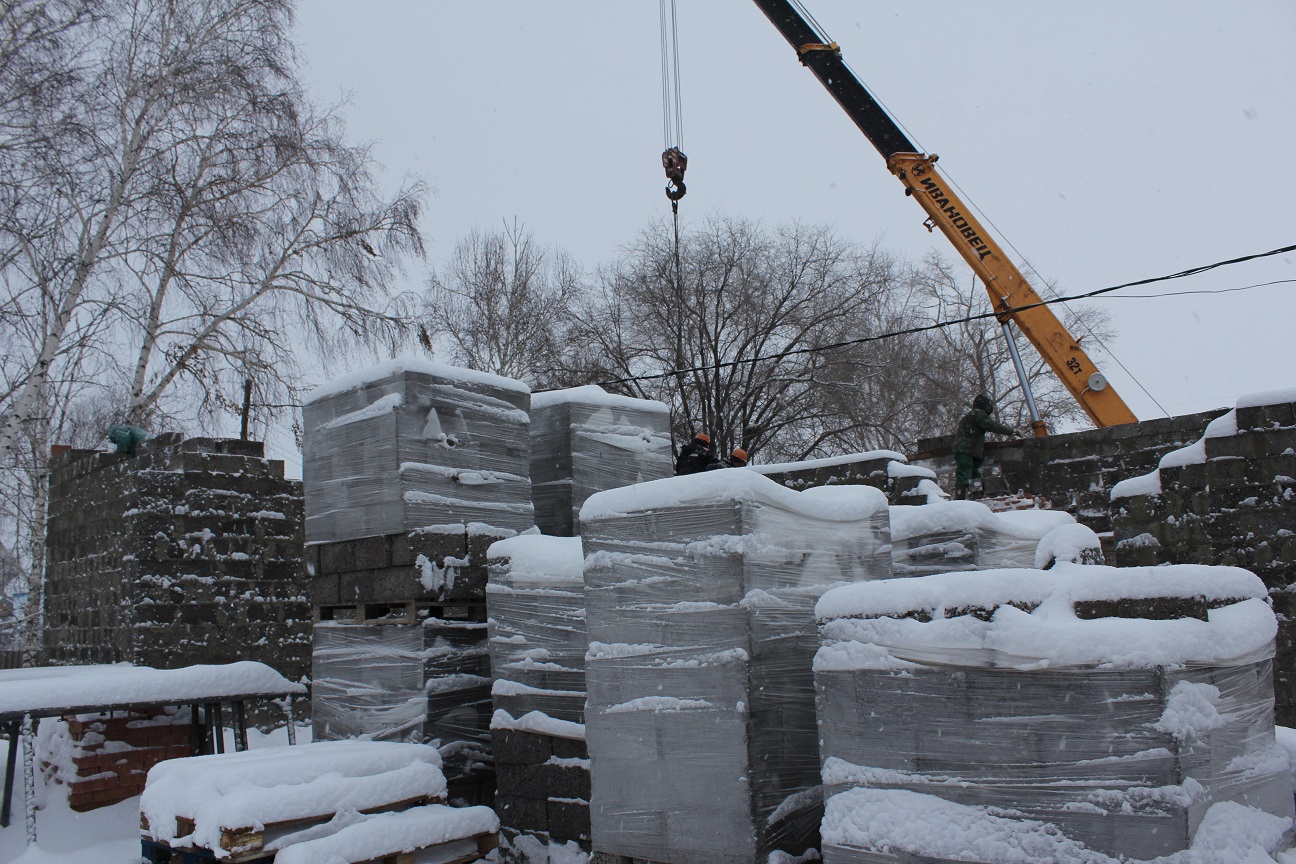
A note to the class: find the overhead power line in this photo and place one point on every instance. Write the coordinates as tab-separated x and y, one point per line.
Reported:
940	325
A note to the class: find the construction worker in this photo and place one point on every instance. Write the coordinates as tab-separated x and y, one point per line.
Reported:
126	438
695	456
736	459
969	443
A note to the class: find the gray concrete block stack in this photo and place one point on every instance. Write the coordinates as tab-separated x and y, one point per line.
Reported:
585	440
700	714
886	470
411	470
1092	711
410	443
1229	499
412	682
187	552
537	645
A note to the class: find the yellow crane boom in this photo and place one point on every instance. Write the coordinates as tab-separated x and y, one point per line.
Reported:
1011	294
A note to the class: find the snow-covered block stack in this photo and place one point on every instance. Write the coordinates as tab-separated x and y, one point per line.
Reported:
257	803
411	443
884	469
1066	715
945	536
536	598
585	440
424	683
1228	498
700	713
188	552
536	602
104	758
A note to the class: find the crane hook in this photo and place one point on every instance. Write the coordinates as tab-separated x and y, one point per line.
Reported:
675	164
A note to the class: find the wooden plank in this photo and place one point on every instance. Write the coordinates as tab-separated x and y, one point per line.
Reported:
483	844
245	842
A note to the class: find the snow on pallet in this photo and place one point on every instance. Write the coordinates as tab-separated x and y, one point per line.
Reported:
434	834
245	806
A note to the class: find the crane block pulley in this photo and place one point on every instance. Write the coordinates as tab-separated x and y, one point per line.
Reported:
675	164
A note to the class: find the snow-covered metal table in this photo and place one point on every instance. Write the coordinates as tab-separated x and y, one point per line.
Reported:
26	695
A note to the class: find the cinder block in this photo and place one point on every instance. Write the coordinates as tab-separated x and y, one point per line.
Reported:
513	746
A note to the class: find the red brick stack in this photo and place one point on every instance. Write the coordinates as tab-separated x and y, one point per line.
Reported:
112	754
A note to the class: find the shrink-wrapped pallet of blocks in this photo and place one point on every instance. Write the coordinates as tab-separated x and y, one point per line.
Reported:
411	443
1086	713
944	536
424	683
585	440
700	716
536	598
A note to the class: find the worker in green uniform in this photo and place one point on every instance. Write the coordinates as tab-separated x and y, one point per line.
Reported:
969	442
127	438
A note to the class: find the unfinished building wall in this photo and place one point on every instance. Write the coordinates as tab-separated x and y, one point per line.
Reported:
1076	470
885	470
188	552
1230	499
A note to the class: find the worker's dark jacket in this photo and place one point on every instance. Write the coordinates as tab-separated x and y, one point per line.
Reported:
969	437
693	457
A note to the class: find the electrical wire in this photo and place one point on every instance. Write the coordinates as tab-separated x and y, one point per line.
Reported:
940	325
1199	291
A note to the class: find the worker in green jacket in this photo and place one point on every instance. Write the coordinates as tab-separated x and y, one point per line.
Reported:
969	442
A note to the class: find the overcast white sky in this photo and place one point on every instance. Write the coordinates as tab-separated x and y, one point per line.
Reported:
1107	141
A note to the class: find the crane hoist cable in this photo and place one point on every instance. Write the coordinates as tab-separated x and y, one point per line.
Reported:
673	158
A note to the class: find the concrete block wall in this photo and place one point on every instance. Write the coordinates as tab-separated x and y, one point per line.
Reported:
880	469
1237	507
1075	470
189	552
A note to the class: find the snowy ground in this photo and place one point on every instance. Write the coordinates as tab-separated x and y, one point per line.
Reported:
109	835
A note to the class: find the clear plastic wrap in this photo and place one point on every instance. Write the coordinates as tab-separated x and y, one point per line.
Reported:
700	717
965	535
1121	757
423	683
536	597
585	440
415	443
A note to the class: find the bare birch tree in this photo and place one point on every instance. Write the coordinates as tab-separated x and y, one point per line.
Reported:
501	302
169	187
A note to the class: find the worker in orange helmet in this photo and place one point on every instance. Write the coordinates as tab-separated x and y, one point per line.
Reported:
695	456
737	459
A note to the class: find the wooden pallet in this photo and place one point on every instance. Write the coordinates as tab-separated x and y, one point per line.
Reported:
247	845
461	851
399	612
455	852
